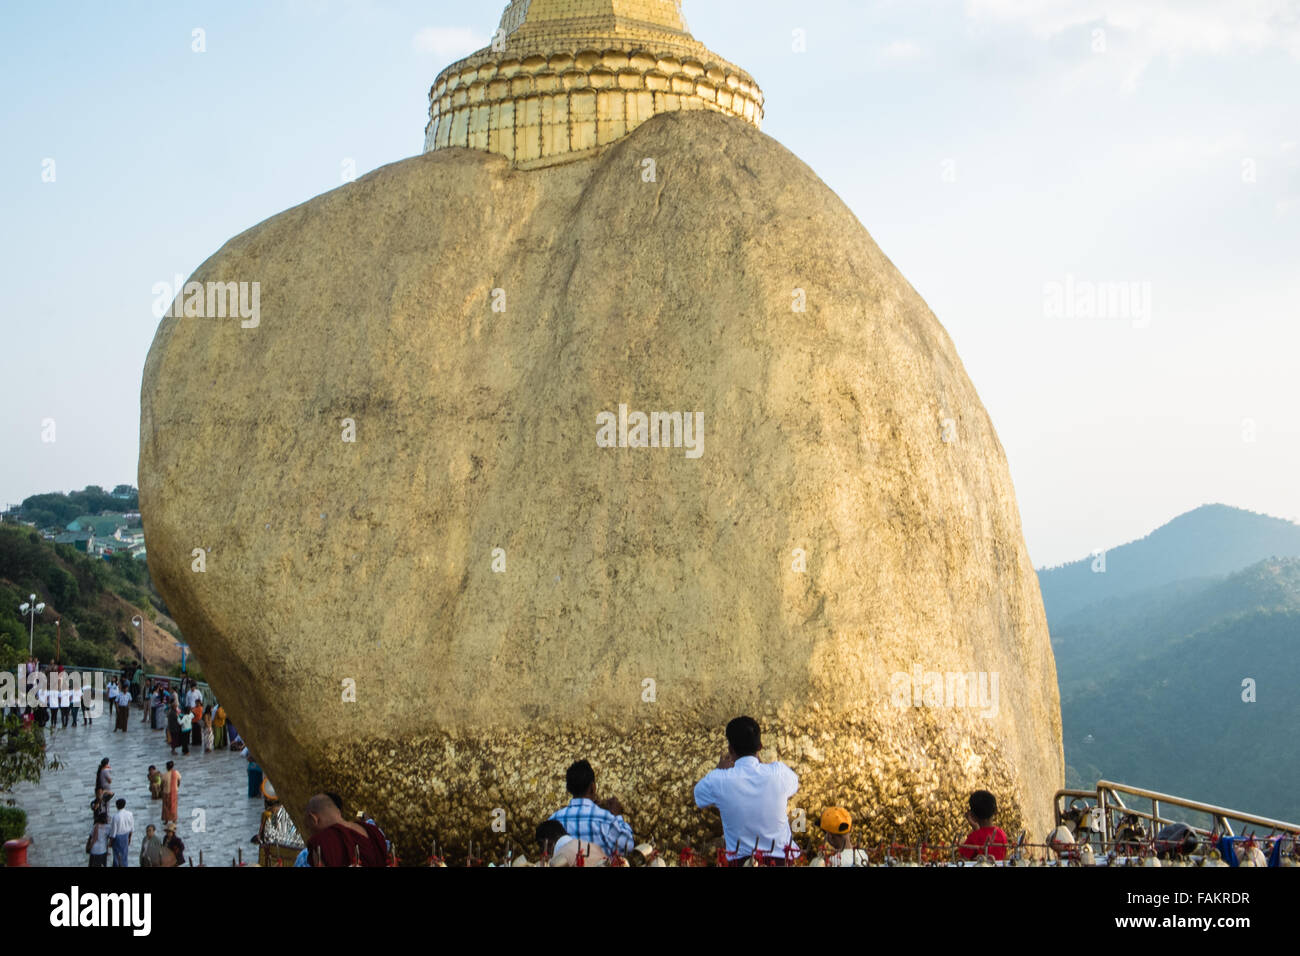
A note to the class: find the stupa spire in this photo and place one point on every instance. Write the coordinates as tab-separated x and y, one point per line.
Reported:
588	17
563	77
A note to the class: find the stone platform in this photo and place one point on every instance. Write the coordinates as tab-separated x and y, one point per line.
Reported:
58	808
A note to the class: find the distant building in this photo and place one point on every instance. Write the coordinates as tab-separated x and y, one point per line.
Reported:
78	539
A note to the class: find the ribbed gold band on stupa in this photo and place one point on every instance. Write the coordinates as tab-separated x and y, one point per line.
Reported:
566	76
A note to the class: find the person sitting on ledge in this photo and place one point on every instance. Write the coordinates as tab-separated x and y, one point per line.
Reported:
753	797
563	850
334	841
588	818
985	838
155	783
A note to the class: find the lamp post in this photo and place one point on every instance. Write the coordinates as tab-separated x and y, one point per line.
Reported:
31	608
138	623
58	630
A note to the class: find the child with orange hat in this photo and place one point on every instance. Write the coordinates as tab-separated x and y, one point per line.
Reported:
836	824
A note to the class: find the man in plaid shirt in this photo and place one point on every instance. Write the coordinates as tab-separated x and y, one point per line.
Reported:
589	818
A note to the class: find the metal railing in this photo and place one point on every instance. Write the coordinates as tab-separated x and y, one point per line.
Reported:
1109	797
203	687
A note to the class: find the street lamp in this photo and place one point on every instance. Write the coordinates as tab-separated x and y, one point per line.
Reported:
58	625
31	609
138	623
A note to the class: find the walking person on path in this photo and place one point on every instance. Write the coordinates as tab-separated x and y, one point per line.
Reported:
186	720
120	831
254	776
151	847
196	725
171	793
103	780
97	845
207	732
175	738
219	727
175	847
123	708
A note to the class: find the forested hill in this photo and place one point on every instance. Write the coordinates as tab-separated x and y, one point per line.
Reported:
1191	688
1211	541
94	599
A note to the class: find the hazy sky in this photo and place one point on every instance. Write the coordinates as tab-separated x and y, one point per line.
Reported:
995	149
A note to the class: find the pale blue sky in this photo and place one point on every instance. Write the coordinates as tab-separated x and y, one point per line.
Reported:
1115	165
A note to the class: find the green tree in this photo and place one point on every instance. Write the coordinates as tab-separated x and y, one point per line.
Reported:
63	588
22	750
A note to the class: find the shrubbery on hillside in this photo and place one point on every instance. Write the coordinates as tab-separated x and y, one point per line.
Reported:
76	587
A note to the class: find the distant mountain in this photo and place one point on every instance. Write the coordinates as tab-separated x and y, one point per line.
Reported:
1152	693
1211	541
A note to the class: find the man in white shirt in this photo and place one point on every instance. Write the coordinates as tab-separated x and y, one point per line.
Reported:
753	797
89	706
65	704
123	702
119	832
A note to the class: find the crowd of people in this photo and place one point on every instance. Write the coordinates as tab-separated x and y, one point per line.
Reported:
753	800
751	796
55	698
175	706
114	831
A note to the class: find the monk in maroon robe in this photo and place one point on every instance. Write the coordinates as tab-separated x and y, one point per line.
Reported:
334	841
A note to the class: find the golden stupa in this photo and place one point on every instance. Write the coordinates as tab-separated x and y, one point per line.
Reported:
562	77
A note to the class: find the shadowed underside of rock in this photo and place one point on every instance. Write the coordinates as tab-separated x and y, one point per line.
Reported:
372	561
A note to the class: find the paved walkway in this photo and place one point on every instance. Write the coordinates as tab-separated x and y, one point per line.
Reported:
58	808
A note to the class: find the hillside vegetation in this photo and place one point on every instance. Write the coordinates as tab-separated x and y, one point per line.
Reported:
94	599
1190	685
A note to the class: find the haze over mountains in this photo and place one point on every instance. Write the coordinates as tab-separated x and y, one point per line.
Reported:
1152	654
